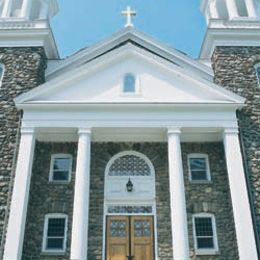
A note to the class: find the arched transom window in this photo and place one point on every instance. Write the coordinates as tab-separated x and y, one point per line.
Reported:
130	164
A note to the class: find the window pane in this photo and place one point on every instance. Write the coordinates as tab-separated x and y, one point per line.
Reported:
55	243
61	176
199	175
61	163
205	242
56	227
203	227
129	83
198	168
198	163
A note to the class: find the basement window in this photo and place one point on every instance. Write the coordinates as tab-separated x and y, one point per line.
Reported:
55	233
61	167
199	168
205	234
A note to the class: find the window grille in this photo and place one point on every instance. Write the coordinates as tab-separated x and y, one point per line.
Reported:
129	165
55	233
205	235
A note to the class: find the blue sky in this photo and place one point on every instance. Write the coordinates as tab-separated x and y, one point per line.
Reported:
81	23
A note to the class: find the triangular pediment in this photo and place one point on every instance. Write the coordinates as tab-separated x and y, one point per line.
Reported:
101	81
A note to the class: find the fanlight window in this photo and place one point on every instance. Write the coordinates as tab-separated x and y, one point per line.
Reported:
129	165
129	83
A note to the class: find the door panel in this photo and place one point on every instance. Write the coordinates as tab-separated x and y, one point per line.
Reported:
142	237
117	238
130	236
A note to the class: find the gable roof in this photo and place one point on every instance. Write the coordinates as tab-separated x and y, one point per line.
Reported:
71	87
128	34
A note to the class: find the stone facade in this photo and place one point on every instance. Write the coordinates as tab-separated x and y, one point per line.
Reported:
24	70
234	70
46	197
211	197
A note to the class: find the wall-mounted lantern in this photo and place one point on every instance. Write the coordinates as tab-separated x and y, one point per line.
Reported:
129	186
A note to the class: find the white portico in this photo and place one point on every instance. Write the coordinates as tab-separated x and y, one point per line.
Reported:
129	94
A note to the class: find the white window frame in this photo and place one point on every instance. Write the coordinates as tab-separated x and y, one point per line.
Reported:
203	156
257	66
60	156
207	251
137	91
45	232
2	76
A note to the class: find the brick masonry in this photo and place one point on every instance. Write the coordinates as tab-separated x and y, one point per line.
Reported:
47	197
234	70
24	70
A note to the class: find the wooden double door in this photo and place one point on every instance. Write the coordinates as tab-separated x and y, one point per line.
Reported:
130	238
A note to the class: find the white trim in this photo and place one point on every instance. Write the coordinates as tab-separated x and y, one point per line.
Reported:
199	251
60	156
257	66
203	156
46	225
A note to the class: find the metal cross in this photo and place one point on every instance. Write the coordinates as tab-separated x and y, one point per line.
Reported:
129	13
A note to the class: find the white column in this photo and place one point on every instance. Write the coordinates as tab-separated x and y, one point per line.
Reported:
44	10
213	10
79	241
232	9
251	8
26	8
239	195
179	224
19	202
6	9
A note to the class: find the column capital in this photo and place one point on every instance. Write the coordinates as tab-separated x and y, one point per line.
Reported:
84	131
231	130
27	130
174	130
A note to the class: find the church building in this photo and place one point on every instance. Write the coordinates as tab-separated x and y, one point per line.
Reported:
129	149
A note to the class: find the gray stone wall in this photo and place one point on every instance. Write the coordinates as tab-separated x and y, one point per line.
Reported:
47	198
212	197
24	70
234	70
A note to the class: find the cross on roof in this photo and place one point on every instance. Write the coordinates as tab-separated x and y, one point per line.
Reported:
129	13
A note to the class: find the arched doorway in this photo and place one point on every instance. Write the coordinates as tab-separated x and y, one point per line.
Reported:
129	208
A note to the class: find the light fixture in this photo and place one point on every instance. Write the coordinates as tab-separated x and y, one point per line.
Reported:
129	186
